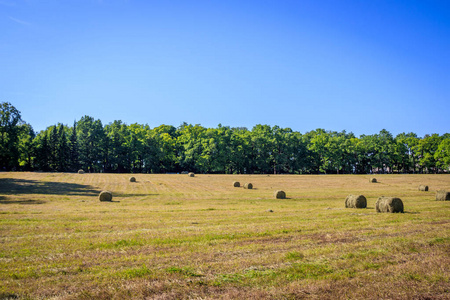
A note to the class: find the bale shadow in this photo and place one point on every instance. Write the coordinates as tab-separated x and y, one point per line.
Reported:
10	186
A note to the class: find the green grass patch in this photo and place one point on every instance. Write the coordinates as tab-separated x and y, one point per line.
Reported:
118	244
185	271
439	240
371	266
26	273
413	276
294	272
227	279
138	272
294	255
306	270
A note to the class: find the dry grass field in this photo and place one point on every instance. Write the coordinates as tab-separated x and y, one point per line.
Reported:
180	237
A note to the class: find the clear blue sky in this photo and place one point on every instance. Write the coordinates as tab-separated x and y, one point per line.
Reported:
354	65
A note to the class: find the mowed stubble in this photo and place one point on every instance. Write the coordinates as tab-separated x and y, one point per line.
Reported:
175	236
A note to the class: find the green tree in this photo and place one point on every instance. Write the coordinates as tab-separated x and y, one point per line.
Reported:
118	156
378	151
426	149
91	144
364	150
217	150
118	147
73	159
384	151
26	147
52	133
284	149
10	120
63	149
318	144
340	152
43	151
349	157
240	151
405	151
262	140
135	144
162	149
442	154
298	162
190	145
53	151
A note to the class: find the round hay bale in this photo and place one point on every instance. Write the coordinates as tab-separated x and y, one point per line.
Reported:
389	205
355	201
248	186
423	188
132	179
280	195
190	174
105	196
236	184
373	180
442	195
80	171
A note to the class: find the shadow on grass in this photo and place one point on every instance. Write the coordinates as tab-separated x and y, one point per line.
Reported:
4	200
9	186
133	195
8	296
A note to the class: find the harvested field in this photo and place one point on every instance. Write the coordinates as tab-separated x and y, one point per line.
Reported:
172	237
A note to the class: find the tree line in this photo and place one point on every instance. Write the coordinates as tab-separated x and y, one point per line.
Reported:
137	148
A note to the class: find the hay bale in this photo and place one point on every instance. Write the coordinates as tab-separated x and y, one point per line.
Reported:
80	171
105	196
280	195
389	204
248	186
423	188
190	174
132	179
373	180
355	201
236	184
442	195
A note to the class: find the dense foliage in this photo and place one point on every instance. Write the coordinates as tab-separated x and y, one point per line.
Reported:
136	148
